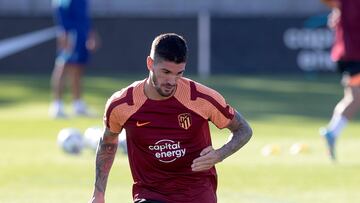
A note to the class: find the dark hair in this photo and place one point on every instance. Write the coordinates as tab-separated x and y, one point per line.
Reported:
169	47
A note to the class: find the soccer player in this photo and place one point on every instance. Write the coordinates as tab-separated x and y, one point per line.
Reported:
73	43
344	19
166	119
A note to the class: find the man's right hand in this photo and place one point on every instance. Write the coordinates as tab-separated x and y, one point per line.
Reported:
63	41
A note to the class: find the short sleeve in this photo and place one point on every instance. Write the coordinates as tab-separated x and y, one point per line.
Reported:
208	103
222	113
111	117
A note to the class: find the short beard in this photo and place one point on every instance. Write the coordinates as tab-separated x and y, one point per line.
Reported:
158	88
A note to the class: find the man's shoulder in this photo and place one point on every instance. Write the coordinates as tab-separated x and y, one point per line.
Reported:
205	101
193	91
127	91
196	87
192	83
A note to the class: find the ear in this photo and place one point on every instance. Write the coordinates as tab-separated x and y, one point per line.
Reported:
150	63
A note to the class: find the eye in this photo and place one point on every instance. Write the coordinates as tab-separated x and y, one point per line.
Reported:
180	73
166	71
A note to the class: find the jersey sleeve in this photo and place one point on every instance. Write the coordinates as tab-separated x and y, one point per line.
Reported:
220	113
206	102
111	115
122	105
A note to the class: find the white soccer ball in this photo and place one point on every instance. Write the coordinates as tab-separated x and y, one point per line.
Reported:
122	142
70	140
92	137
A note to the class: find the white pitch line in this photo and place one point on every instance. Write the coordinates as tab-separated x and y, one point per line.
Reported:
19	43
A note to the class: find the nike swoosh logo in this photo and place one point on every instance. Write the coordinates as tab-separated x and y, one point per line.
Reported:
19	43
138	124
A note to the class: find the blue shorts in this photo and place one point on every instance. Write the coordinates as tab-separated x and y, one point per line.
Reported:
78	53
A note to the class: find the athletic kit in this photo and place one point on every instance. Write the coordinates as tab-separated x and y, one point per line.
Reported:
73	18
346	49
165	136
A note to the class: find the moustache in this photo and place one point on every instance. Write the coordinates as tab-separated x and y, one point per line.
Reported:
168	85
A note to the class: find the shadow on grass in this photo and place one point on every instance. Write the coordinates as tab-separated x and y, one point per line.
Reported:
22	89
265	96
257	97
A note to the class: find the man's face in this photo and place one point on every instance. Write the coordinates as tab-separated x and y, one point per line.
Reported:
164	77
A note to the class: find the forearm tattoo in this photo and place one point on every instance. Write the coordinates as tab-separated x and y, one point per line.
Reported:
241	134
104	160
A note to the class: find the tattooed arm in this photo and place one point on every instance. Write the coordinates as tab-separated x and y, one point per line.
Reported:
241	134
104	159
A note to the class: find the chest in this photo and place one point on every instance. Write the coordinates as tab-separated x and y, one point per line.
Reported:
168	121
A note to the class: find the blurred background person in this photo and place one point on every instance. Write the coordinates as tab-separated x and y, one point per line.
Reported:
74	41
345	20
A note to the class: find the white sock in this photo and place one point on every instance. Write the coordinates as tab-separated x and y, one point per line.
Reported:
337	124
58	104
79	105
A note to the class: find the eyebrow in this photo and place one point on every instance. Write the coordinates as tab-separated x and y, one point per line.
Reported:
165	69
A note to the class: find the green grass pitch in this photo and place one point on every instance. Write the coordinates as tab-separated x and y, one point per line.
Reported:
282	110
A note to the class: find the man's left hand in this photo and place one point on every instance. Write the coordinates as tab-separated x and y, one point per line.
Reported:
208	158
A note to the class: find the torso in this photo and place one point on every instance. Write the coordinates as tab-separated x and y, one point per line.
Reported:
163	139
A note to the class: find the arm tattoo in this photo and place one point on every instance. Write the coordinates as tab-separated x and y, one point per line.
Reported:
104	159
241	134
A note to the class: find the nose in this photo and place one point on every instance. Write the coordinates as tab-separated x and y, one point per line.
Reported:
172	79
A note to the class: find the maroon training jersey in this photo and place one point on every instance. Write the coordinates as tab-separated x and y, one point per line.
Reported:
347	32
165	136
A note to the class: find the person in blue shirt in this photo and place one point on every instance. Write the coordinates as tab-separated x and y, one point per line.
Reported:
74	41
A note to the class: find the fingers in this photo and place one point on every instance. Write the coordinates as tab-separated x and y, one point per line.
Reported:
208	158
206	150
202	167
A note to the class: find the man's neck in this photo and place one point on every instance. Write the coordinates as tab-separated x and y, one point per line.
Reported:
151	93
